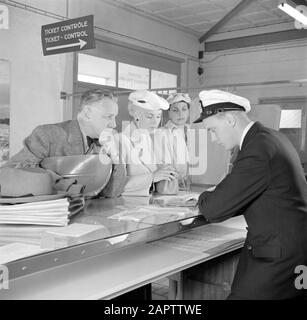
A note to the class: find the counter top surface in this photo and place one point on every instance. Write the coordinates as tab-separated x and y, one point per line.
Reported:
108	275
111	219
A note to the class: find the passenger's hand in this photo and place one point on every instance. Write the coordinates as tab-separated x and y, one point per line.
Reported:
211	189
165	173
109	140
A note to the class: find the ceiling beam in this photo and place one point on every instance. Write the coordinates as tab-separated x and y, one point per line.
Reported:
300	2
255	40
226	18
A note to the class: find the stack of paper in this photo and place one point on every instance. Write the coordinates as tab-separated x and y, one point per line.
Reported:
75	233
54	212
15	251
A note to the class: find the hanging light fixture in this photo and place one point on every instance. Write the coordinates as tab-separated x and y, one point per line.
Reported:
296	12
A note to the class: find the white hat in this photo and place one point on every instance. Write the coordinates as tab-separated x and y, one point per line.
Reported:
178	97
148	100
214	101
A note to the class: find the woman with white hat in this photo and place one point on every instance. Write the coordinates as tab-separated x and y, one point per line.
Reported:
136	146
175	134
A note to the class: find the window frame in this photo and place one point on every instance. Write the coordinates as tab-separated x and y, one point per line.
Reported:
147	69
291	103
291	109
140	51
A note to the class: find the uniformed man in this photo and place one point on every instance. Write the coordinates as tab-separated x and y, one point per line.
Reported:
266	185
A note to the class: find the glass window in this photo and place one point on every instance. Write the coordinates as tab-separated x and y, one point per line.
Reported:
165	92
163	80
4	110
96	70
132	77
291	119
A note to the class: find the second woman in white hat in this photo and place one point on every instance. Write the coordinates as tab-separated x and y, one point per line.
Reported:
175	135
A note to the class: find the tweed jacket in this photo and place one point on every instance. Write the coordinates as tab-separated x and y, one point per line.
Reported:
61	139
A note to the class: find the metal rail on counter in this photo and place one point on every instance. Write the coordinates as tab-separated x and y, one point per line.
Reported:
98	209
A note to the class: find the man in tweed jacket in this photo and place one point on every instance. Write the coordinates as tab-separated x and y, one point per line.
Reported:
74	137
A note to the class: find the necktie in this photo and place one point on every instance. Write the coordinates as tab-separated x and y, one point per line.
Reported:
92	143
186	135
175	149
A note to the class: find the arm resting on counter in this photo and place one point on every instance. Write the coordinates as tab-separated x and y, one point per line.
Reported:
116	184
248	179
138	185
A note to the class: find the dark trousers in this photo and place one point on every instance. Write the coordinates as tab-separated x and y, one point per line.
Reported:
300	297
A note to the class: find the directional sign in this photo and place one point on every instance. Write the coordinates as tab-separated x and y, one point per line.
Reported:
69	35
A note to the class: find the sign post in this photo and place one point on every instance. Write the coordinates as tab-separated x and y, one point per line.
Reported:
68	36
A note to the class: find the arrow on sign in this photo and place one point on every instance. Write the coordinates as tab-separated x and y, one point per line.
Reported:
81	43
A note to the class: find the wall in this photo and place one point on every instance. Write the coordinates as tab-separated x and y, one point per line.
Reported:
36	81
280	62
146	32
234	69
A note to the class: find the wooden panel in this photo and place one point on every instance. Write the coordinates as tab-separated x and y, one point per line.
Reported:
199	291
211	280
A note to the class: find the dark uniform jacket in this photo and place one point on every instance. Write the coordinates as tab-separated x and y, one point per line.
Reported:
266	185
61	139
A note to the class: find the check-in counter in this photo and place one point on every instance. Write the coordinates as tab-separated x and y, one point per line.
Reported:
123	253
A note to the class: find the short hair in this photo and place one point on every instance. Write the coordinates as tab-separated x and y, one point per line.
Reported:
235	113
173	104
94	95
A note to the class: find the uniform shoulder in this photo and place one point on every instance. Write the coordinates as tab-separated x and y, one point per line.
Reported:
265	140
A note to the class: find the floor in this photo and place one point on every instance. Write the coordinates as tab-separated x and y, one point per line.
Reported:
160	289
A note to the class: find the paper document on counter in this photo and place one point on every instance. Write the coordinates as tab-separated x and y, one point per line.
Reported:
73	234
152	214
15	251
75	230
208	239
22	233
180	200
